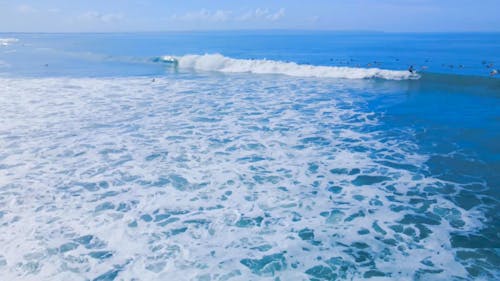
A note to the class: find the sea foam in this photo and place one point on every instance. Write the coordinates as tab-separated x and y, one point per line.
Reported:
220	178
220	63
8	41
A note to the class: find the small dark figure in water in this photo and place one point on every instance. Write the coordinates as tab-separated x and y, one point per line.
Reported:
46	65
411	69
154	80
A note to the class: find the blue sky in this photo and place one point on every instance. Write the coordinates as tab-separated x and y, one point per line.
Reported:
162	15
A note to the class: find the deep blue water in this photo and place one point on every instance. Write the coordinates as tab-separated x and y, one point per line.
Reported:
116	164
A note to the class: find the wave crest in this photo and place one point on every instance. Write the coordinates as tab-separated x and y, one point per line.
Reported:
220	63
8	41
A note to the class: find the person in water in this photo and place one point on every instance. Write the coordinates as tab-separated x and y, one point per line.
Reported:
411	69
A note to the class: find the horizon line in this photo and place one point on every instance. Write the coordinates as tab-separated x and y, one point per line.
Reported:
256	30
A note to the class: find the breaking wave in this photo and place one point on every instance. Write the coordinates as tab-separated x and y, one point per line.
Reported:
220	63
8	41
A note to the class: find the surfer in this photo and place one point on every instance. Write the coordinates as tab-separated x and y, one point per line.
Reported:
411	69
170	60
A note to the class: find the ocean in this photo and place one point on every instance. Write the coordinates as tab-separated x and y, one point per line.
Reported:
252	155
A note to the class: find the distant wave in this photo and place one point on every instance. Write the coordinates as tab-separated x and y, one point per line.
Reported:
218	62
8	41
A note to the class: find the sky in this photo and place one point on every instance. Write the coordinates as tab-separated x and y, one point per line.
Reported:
166	15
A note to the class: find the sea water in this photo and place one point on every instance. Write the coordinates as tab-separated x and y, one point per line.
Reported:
249	156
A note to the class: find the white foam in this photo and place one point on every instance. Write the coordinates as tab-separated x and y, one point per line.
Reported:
89	142
218	62
8	41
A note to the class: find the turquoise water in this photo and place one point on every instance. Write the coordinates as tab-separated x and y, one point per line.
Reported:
255	156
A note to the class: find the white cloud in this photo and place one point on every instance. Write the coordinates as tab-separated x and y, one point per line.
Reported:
204	15
226	15
96	16
262	14
277	15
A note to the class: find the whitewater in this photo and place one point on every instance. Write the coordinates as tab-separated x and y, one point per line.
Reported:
218	62
175	179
